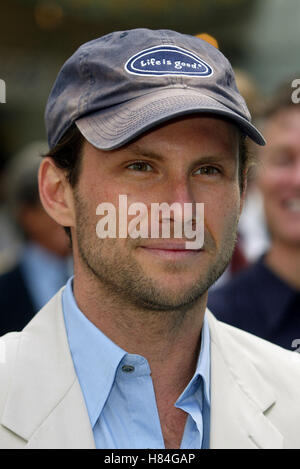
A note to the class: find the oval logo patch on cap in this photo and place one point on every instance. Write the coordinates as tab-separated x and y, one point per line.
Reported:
167	60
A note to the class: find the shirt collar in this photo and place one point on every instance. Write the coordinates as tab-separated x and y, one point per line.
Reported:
96	365
202	369
203	365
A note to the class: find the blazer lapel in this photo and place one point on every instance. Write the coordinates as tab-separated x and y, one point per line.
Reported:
67	426
45	405
240	397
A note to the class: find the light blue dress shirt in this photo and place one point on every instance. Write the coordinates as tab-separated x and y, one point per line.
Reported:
118	389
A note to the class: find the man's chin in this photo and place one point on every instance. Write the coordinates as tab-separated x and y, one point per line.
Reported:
160	302
168	294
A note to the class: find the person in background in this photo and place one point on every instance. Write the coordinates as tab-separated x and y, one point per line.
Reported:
265	298
253	237
43	263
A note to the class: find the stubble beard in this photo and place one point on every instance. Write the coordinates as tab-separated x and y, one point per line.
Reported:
124	279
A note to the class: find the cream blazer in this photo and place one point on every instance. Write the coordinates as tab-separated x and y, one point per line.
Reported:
255	389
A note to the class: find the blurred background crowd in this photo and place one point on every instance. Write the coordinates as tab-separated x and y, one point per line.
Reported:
260	290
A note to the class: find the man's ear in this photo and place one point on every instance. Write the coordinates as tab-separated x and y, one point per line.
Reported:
56	193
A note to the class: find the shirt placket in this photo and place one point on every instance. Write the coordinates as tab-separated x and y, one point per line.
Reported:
134	378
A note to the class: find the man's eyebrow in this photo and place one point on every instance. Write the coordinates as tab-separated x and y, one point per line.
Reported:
204	159
139	151
214	158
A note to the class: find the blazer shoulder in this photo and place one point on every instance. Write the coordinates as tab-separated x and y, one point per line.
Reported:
9	344
254	345
278	365
34	331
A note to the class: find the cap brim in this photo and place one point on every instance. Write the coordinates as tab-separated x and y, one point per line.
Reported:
112	128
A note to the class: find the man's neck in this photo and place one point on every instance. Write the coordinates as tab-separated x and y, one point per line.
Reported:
169	340
284	260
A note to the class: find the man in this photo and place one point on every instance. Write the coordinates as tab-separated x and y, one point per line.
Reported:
42	263
127	356
265	299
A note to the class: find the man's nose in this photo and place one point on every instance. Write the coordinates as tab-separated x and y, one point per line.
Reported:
178	189
179	214
178	195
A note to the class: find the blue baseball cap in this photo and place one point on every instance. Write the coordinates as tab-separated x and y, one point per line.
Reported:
118	86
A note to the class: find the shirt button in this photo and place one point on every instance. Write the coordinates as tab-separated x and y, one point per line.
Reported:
128	368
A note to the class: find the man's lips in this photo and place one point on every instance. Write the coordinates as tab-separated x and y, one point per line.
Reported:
168	246
169	250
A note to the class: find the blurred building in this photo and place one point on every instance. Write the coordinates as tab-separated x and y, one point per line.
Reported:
260	37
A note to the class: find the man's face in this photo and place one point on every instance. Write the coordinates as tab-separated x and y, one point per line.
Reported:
191	160
279	176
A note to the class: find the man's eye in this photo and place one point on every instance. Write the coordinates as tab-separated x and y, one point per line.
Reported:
140	166
207	170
